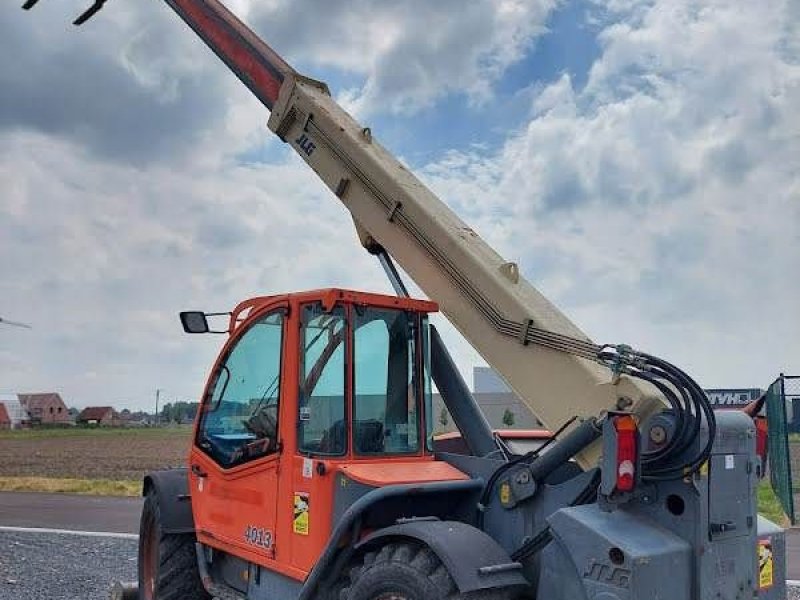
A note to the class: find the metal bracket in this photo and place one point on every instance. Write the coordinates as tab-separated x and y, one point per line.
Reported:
393	210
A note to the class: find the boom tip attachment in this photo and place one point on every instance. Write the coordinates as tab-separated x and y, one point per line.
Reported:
87	14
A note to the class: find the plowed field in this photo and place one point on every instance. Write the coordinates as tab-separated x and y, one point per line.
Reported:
116	454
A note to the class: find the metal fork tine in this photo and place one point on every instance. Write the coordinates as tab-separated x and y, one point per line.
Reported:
90	12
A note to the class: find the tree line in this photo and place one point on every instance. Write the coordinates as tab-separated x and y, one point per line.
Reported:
178	412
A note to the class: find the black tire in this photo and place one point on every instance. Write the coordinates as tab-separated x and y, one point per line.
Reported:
404	571
167	562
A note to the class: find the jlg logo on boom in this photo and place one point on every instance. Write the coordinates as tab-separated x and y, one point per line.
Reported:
305	144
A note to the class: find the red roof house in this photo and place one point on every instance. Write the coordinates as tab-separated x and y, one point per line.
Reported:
45	408
96	415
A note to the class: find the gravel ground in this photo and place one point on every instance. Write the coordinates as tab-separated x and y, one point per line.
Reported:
70	567
63	567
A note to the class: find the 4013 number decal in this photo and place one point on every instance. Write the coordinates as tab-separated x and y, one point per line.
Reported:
256	536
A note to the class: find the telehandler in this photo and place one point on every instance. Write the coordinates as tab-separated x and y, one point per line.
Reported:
313	475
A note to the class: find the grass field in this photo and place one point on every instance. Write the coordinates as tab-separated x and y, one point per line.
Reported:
89	461
769	505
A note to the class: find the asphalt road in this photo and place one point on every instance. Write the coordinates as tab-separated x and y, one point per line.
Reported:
62	511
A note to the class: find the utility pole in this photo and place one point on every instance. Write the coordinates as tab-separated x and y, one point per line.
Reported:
158	395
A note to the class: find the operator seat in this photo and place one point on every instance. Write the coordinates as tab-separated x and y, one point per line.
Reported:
369	437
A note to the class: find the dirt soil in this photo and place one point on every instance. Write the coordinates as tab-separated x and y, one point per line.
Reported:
92	454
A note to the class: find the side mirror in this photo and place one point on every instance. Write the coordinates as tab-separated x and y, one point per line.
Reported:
194	322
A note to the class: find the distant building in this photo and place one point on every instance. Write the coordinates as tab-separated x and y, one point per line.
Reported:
498	409
502	407
5	420
732	397
44	409
16	414
97	415
498	403
485	380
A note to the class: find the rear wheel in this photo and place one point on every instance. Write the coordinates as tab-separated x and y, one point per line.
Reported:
407	572
167	562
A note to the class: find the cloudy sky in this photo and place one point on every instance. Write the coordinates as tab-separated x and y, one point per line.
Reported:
639	158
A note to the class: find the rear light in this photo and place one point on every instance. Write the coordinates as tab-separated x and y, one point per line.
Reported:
627	452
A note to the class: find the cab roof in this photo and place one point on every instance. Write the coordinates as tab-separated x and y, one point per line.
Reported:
329	297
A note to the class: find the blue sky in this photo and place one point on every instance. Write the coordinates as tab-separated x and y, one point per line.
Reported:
639	158
568	45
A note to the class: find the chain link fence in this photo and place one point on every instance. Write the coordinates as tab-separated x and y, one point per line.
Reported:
783	416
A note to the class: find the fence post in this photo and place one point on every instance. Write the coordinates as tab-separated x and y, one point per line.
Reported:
782	391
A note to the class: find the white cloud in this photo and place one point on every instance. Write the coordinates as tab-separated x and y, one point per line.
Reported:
101	257
660	205
409	54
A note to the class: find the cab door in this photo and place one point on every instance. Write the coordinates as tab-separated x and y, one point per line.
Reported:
235	456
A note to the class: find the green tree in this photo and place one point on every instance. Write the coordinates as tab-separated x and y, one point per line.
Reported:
444	418
508	418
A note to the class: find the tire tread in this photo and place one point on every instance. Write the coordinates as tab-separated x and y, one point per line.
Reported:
177	574
422	561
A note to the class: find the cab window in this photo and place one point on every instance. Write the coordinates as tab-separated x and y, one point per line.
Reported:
385	403
322	425
240	415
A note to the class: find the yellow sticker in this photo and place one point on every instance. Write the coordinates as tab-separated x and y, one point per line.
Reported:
766	564
704	469
505	493
301	518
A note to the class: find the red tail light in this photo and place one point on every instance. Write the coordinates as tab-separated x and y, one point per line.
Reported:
627	449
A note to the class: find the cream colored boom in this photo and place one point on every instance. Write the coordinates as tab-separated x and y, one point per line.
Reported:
474	287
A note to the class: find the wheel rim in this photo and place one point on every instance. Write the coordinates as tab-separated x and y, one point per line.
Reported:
391	596
149	561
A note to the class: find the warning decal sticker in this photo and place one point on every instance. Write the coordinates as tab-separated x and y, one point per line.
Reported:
766	564
505	493
301	517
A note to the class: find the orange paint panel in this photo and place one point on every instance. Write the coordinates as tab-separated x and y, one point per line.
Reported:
223	518
388	473
243	495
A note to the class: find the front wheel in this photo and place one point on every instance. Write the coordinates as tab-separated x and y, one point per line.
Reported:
407	572
167	562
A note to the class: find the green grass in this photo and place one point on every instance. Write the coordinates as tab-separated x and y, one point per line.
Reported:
88	487
769	506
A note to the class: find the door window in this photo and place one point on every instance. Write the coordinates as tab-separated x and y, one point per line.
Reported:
322	428
240	416
386	416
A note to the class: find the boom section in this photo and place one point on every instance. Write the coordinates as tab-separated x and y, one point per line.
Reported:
257	65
